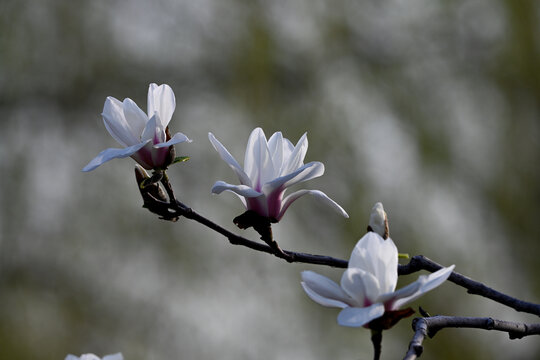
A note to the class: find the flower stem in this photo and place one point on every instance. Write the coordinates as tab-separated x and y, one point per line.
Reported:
376	339
266	235
263	226
168	188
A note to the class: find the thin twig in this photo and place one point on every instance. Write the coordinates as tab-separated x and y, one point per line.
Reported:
167	185
290	256
173	209
421	262
429	326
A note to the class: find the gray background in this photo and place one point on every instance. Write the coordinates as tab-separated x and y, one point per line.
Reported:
431	107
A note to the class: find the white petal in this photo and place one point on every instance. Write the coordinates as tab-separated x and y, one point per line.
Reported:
161	100
321	300
150	106
378	257
318	194
275	145
257	161
229	159
283	182
401	293
241	198
360	285
310	171
116	123
288	148
427	283
82	357
324	291
135	117
274	142
437	278
243	190
356	317
251	155
296	159
117	356
176	139
304	173
387	266
152	128
112	153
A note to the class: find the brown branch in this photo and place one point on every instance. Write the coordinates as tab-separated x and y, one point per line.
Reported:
421	262
173	209
376	340
166	210
429	326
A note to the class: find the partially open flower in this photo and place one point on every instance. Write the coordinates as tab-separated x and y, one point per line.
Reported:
367	289
270	167
145	137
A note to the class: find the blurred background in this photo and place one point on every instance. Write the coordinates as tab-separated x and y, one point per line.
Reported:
431	107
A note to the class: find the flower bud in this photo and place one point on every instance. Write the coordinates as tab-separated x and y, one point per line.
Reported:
378	221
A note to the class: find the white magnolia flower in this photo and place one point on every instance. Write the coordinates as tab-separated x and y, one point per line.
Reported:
368	285
117	356
270	167
143	136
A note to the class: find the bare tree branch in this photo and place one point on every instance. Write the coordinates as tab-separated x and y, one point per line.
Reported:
429	326
290	256
420	262
171	210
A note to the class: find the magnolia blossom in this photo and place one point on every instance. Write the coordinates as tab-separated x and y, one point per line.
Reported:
270	167
117	356
143	136
368	285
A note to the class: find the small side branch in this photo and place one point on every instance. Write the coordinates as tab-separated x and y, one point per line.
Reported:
420	262
420	327
287	255
429	326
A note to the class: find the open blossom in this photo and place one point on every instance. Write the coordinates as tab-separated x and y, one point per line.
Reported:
270	167
117	356
143	136
367	288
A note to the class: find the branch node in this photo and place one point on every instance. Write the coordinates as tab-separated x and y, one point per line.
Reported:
263	225
291	257
418	350
432	332
233	240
